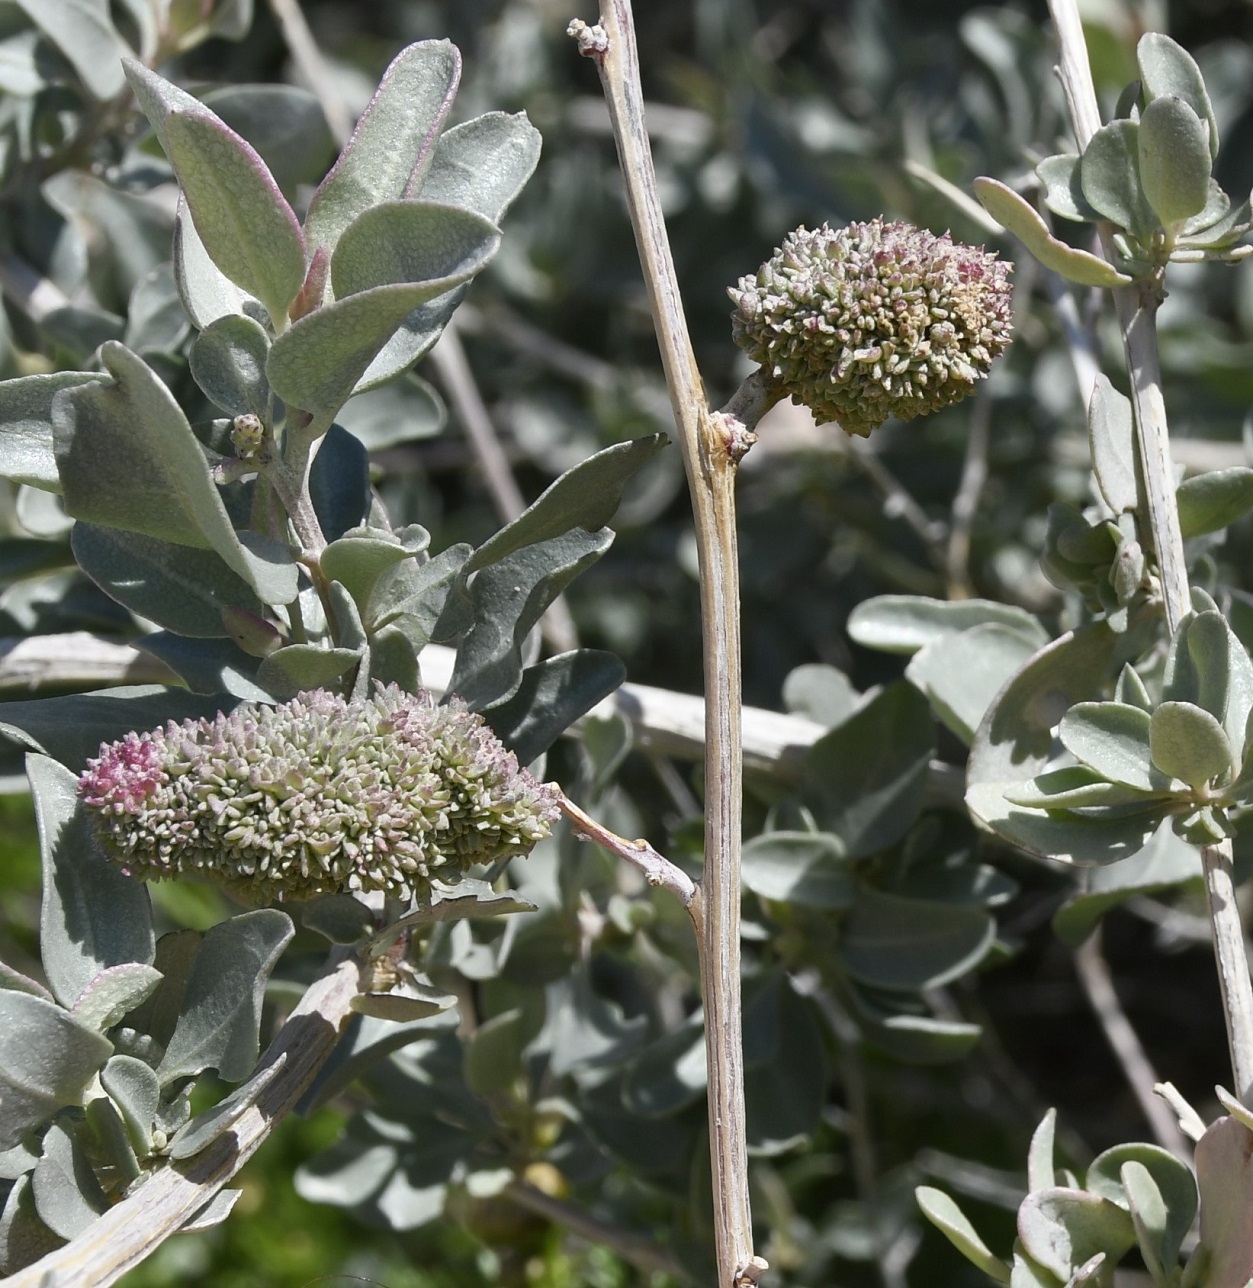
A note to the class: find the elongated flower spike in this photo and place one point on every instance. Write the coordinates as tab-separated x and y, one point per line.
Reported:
874	320
316	796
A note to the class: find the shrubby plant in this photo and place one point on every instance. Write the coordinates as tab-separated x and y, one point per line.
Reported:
355	727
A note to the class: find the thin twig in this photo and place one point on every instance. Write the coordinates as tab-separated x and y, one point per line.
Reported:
657	869
462	389
1137	314
311	67
711	468
171	1195
1098	988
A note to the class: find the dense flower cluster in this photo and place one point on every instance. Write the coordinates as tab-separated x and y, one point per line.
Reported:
874	320
315	796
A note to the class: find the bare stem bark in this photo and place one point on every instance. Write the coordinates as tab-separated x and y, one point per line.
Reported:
1137	315
711	449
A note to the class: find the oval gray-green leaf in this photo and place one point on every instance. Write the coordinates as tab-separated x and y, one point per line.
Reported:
304	666
1172	1179
1167	68
26	450
244	221
133	1087
394	142
906	623
1063	193
1109	173
399	242
911	944
1062	1229
228	363
47	1061
93	916
799	867
482	164
207	293
954	1225
1024	221
1189	744
1211	501
1111	738
1174	160
67	1194
1111	438
221	1010
114	993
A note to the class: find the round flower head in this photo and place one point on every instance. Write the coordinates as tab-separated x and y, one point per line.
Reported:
316	796
874	320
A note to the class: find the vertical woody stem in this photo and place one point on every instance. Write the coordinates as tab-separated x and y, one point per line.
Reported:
711	444
1137	315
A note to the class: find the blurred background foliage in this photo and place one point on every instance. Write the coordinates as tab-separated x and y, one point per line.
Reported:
764	116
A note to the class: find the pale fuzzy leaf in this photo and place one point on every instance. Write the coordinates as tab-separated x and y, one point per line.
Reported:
88	40
1041	1168
209	1126
1167	68
1174	160
228	363
128	459
47	1062
1113	739
1211	501
482	164
113	993
214	1212
907	623
207	293
1062	1229
1224	1174
1188	743
1112	442
1110	175
133	1087
954	1225
244	221
67	1195
92	916
26	454
394	142
218	1024
1063	193
1024	221
807	868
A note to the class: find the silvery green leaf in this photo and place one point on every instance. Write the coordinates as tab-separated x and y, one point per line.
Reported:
17	1161
911	1037
317	361
1024	221
297	667
1224	1175
1217	207
221	1009
357	561
910	944
128	459
819	692
1164	863
807	868
403	242
1041	1165
1077	787
24	1238
1211	501
1166	68
176	586
1015	738
1189	744
394	142
228	363
482	164
1026	1273
417	595
47	1062
907	623
26	454
175	959
468	898
341	918
398	412
585	1030
1207	657
406	1000
1223	232
207	293
67	1195
962	673
207	1127
133	1087
339	483
1112	442
1063	193
1061	835
208	666
954	1225
1174	160
1113	740
90	42
113	993
508	598
551	696
11	977
244	221
214	1212
865	780
1062	1229
1110	175
93	916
